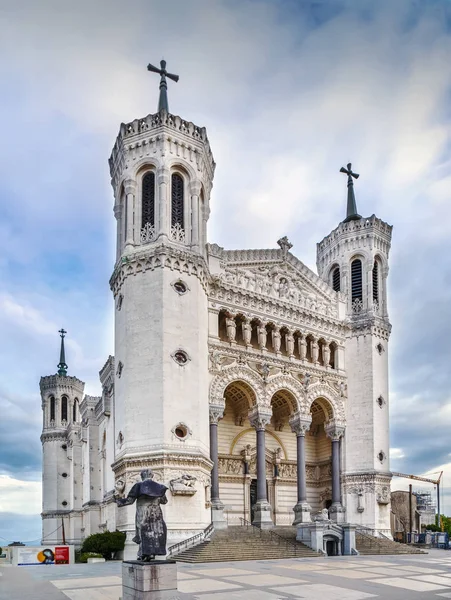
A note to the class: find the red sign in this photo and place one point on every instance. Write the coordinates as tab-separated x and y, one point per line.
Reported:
61	555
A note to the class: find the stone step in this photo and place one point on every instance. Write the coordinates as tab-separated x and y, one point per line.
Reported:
380	546
241	543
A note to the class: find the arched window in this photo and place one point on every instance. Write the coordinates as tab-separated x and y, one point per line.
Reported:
375	282
356	279
64	408
74	411
177	201
336	279
148	199
52	408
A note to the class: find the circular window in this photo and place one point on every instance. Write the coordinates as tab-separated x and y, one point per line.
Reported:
180	357
64	475
64	446
64	503
381	456
180	287
181	431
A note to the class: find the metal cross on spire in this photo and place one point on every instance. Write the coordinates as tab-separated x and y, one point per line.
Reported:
62	367
351	212
163	101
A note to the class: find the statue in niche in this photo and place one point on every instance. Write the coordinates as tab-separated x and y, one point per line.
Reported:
150	528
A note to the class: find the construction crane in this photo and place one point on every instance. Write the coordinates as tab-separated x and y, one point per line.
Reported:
434	481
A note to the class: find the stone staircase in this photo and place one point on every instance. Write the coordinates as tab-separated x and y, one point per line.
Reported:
370	545
247	543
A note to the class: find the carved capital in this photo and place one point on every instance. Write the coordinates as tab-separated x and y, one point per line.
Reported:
163	175
117	210
300	423
259	417
335	430
195	187
130	186
216	412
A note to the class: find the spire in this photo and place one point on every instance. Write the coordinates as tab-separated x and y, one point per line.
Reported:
351	213
163	101
62	367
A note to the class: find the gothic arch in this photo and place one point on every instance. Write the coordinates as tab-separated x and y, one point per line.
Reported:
184	168
236	373
322	390
280	383
273	434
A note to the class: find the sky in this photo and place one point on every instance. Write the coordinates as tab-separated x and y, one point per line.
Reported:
289	92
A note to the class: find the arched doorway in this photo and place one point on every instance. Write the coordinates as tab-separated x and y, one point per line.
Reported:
319	455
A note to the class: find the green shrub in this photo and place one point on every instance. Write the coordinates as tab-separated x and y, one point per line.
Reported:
106	544
83	556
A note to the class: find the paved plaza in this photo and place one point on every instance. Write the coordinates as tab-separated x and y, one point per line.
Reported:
338	578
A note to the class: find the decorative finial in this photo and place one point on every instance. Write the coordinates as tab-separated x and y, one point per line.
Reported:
62	367
163	101
285	246
351	213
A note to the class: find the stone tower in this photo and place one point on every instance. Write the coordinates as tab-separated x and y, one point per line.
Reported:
353	259
162	172
61	447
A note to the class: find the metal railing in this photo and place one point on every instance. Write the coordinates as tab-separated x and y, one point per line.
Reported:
280	539
195	540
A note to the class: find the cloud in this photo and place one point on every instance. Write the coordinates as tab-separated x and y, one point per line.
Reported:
289	93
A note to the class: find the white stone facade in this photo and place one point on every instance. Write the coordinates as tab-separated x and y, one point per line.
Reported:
212	345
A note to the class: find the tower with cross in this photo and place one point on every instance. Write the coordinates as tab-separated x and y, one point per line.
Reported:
61	402
162	172
353	260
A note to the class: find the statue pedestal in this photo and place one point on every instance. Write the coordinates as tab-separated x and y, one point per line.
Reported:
155	580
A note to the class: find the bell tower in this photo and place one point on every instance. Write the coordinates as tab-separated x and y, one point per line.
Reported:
162	173
353	260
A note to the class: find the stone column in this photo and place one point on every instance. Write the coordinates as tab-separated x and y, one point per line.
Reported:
118	215
259	417
300	424
335	432
195	193
130	191
217	507
164	206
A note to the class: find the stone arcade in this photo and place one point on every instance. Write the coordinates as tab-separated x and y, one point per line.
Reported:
252	387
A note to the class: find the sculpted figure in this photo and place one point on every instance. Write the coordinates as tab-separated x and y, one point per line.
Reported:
262	336
231	329
150	528
276	340
247	332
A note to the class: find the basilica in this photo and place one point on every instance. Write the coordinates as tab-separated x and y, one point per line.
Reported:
255	389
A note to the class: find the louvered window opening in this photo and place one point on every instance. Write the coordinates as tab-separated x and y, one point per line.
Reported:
336	279
64	409
74	412
177	201
356	280
375	282
148	199
52	408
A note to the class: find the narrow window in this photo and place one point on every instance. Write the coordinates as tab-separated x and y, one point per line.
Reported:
336	279
356	279
375	282
148	199
52	408
177	201
74	411
64	408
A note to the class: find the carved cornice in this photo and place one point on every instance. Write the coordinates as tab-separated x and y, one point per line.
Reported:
158	136
49	436
363	324
161	460
163	255
234	298
61	384
290	368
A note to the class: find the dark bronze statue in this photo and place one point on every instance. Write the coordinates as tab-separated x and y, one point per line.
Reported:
151	530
